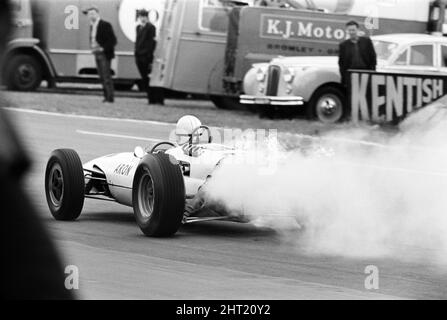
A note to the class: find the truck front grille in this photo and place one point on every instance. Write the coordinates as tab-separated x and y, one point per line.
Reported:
274	73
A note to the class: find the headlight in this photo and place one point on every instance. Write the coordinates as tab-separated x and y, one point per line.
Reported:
289	75
261	74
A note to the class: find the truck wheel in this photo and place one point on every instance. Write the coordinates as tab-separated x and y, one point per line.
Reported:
158	195
327	105
65	185
23	73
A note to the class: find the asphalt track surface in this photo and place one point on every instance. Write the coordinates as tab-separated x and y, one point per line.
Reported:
209	260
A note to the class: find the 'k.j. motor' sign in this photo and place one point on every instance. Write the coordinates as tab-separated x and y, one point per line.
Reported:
382	97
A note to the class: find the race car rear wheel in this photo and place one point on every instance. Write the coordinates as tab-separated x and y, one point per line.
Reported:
65	185
158	195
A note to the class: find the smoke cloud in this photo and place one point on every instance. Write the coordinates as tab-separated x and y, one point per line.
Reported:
360	192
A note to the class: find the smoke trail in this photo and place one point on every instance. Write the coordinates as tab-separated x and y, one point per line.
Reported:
362	199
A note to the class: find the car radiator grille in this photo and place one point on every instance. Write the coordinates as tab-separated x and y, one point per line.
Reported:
273	80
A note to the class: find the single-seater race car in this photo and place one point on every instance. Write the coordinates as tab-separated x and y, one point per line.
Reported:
163	184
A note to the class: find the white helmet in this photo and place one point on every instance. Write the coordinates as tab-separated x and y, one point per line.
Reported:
186	126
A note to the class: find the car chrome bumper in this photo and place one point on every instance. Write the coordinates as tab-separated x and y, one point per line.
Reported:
272	100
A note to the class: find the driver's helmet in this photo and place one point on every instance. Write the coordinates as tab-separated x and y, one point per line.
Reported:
185	128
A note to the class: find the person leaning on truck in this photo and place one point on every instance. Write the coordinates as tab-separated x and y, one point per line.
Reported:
144	49
356	53
102	43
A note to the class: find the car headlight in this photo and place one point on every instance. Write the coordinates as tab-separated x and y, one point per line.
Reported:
289	75
261	73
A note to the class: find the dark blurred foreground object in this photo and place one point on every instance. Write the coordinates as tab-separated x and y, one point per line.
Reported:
31	268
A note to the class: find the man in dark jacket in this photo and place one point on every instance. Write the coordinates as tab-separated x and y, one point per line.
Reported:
102	43
356	52
144	49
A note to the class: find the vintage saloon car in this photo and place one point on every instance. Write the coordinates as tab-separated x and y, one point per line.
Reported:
314	82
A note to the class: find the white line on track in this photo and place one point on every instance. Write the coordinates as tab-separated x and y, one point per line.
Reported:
64	115
353	164
394	169
377	145
159	123
121	136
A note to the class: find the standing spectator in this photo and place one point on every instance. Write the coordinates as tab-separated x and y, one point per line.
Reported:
144	49
102	43
356	53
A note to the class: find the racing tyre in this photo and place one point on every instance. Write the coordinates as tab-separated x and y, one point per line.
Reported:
23	73
65	185
158	195
328	105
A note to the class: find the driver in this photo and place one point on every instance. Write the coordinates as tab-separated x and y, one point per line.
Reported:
186	130
188	135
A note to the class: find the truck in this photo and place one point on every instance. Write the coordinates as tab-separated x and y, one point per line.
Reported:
204	47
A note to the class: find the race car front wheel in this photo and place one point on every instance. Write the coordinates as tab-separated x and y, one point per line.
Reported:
65	185
158	195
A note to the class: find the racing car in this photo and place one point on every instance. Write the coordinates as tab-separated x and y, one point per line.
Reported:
162	184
